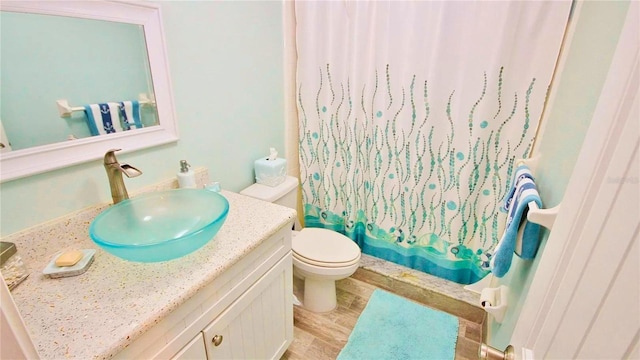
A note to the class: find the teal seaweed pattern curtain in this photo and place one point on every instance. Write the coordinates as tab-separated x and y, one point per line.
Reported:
411	117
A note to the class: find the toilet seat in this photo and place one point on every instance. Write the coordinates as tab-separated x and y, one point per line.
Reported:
325	248
325	264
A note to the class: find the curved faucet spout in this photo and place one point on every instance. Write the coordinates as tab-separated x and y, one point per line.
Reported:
114	173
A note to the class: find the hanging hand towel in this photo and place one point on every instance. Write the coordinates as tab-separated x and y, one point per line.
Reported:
130	112
517	204
522	172
103	118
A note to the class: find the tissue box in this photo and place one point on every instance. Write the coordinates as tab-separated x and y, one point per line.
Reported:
271	172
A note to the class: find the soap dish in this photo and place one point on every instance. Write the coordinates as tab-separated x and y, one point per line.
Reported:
53	271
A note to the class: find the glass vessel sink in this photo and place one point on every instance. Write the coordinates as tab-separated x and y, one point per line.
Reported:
160	226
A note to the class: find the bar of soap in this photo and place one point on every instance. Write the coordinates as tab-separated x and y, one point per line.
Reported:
53	271
69	258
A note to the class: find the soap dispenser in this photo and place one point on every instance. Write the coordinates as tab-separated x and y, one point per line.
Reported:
186	176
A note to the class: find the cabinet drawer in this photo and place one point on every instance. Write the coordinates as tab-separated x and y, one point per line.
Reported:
259	325
193	350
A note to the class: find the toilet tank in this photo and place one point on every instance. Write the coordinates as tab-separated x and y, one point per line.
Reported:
284	194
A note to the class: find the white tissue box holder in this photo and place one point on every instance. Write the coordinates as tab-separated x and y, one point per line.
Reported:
271	172
494	301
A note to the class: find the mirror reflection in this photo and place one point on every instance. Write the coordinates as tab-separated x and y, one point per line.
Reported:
99	69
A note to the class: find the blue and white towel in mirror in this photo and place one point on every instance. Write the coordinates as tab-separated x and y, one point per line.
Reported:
130	112
111	117
520	236
103	118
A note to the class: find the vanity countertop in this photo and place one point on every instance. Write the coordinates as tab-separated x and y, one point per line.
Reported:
98	313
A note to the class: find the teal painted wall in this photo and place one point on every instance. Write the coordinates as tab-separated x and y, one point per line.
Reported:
578	90
46	58
226	63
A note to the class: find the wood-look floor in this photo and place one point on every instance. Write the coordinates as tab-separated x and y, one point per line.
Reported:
322	336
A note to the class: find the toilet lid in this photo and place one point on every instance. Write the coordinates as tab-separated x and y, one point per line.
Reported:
325	246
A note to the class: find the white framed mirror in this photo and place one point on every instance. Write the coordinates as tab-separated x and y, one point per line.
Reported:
146	19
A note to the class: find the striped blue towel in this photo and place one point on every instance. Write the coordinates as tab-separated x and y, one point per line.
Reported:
523	191
103	118
130	112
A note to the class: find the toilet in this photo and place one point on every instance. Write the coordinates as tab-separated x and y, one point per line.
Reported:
320	256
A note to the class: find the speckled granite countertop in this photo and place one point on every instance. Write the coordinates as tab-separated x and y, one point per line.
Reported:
98	313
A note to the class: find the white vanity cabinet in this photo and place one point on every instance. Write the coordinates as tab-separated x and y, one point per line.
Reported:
255	326
245	313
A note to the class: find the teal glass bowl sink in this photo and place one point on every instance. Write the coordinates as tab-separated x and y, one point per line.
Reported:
160	226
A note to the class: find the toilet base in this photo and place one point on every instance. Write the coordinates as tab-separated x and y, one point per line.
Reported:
320	283
319	295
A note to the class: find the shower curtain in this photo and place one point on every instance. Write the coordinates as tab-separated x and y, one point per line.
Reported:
411	116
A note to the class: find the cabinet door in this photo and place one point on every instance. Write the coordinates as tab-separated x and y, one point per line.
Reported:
194	350
259	325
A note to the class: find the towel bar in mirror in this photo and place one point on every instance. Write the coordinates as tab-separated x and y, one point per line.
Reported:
65	110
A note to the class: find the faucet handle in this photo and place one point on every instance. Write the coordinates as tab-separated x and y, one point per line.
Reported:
110	157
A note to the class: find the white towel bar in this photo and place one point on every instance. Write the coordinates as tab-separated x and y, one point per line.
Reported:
544	217
65	109
531	163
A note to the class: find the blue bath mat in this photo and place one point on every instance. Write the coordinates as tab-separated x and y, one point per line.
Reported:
392	327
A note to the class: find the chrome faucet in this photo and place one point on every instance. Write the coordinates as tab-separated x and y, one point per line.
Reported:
114	173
